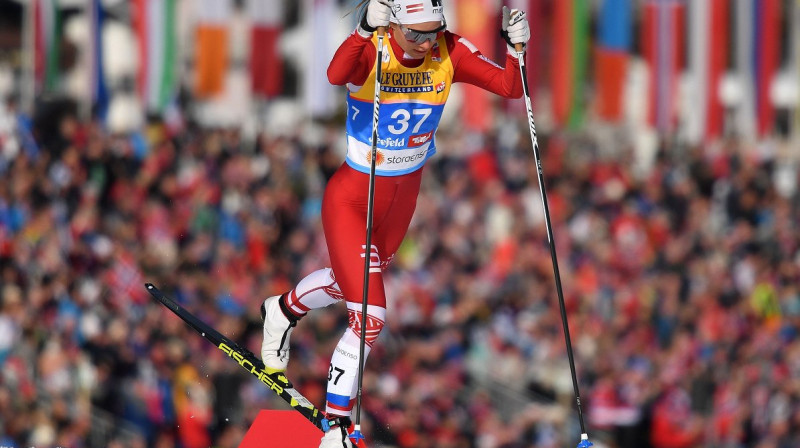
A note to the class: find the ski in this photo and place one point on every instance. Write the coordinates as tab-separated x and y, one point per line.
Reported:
277	382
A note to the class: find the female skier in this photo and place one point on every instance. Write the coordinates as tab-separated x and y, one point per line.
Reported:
421	60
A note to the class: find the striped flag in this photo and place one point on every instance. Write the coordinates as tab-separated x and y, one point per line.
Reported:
154	24
100	96
415	7
766	57
570	56
211	37
795	54
662	39
46	29
611	56
757	49
745	111
709	35
266	64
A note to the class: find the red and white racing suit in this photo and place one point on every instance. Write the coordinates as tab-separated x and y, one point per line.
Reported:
344	206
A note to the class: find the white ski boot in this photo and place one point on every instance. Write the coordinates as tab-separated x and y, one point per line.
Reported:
336	438
277	329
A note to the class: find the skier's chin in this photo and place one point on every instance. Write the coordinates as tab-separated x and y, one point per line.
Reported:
416	54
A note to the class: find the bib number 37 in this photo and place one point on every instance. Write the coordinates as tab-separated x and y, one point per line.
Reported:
403	117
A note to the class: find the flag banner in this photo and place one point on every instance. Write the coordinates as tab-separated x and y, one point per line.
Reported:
536	50
99	89
611	57
717	60
320	98
266	63
479	26
211	46
570	54
662	38
757	40
46	35
795	27
744	109
766	59
709	38
154	24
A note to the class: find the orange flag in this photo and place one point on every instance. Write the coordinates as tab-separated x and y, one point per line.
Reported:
211	38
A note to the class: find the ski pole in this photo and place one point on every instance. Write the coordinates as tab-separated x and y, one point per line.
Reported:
521	57
376	104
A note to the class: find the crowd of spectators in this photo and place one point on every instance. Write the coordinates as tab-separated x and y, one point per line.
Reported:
681	284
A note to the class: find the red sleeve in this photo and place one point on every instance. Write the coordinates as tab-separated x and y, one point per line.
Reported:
474	68
353	61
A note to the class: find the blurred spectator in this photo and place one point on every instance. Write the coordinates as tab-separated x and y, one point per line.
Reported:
681	288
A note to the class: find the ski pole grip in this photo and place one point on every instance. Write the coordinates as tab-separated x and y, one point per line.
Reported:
381	30
518	47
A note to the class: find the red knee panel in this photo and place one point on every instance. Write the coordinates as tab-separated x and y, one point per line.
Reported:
373	329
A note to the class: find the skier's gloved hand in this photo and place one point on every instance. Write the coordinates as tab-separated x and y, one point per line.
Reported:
515	28
376	15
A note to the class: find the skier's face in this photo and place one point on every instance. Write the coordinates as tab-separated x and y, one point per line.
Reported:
417	39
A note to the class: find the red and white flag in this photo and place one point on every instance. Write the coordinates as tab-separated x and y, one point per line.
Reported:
709	36
662	38
266	63
795	55
766	59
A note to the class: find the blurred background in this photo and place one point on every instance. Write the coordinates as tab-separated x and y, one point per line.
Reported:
188	142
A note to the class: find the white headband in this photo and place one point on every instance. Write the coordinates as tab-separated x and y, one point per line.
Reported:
417	11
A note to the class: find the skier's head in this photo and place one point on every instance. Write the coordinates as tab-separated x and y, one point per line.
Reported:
416	24
412	12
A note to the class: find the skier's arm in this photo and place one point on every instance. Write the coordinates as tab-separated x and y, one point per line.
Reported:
355	58
353	61
474	68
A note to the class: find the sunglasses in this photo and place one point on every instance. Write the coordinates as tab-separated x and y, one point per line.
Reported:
420	37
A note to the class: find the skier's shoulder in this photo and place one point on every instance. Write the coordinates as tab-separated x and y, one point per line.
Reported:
457	43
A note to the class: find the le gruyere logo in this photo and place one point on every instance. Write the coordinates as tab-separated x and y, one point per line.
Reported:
407	82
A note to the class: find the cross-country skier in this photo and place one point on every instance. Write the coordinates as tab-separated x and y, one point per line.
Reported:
422	61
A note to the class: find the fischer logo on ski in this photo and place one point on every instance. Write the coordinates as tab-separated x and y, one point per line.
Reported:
260	374
277	382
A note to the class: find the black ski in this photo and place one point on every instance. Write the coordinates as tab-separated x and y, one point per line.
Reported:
277	382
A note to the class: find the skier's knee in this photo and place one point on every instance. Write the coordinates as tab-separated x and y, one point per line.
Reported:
376	319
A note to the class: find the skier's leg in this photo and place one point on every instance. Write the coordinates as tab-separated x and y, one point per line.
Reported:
281	313
395	200
343	370
344	212
318	289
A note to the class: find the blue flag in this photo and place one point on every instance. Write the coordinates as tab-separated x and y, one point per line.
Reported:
100	94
